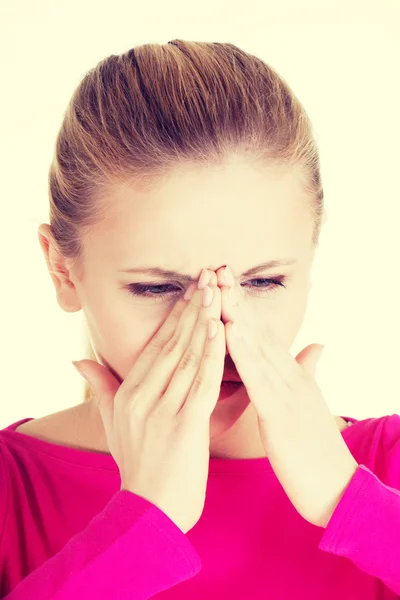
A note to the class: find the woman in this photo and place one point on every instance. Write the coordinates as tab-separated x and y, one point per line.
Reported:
185	191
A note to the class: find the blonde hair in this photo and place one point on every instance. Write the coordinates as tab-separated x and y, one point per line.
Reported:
137	116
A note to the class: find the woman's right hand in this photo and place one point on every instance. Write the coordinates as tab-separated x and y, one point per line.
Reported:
157	421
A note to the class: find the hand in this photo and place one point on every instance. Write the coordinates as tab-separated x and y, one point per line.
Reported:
157	422
300	435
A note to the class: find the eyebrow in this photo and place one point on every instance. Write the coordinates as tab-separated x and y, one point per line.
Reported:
166	274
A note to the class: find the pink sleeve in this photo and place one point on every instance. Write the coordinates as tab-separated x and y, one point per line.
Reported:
365	527
129	550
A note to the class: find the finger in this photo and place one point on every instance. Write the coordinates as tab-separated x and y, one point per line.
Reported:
149	386
254	370
194	382
160	358
220	277
206	387
228	310
263	341
162	337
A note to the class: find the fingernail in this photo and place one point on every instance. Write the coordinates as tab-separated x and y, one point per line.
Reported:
190	291
204	279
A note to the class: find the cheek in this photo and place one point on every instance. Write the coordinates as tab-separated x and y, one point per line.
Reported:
284	320
120	328
120	340
133	338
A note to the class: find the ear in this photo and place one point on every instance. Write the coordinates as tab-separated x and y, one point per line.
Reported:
67	296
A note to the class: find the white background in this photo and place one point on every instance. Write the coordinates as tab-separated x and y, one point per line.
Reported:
342	61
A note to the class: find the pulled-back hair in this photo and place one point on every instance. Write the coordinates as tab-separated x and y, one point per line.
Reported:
138	116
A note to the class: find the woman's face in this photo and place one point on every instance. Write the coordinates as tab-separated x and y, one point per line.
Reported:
239	215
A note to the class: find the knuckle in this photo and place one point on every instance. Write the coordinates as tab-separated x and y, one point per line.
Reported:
177	310
210	354
164	410
199	383
136	413
172	344
132	404
156	345
193	307
134	391
189	359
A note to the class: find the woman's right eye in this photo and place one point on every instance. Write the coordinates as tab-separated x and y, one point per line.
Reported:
145	291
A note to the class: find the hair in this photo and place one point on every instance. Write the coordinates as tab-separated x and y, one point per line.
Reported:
136	117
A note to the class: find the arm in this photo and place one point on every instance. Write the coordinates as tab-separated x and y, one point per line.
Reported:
365	527
131	550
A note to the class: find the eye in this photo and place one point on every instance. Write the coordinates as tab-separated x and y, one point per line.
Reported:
156	292
271	285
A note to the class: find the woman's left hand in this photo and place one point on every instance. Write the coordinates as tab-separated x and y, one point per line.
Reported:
300	435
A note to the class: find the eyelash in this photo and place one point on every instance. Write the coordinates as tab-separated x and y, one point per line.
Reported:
142	290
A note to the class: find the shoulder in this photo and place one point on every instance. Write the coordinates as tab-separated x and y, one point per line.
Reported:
67	427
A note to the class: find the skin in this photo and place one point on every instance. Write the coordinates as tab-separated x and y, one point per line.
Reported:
239	215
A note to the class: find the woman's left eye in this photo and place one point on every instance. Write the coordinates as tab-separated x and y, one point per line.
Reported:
145	290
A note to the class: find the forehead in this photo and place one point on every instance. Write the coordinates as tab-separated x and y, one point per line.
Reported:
230	209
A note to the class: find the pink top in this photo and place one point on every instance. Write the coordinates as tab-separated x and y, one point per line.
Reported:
68	531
